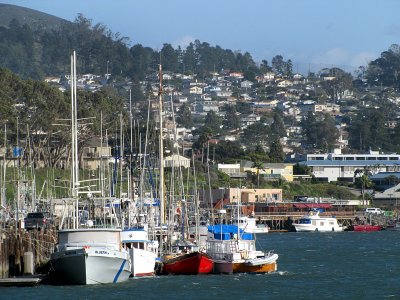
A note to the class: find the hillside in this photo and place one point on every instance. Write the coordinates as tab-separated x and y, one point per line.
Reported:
32	18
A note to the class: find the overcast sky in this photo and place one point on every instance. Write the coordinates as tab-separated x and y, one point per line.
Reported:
344	33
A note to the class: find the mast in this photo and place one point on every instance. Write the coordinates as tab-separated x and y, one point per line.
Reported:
74	139
196	201
3	187
161	150
209	184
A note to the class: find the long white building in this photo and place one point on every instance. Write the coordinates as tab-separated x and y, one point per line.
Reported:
337	166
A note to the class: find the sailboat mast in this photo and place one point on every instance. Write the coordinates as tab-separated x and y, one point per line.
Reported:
161	150
74	138
130	181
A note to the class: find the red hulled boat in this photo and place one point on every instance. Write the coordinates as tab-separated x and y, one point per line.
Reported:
367	228
192	263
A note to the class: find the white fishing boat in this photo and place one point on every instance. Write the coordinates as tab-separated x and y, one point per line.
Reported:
142	251
234	251
86	255
90	256
313	222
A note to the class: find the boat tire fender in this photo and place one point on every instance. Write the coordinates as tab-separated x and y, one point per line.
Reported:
316	229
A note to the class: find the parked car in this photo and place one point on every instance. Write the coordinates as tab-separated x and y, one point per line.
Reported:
38	220
373	210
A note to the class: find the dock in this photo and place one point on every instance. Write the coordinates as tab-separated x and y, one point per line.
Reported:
20	281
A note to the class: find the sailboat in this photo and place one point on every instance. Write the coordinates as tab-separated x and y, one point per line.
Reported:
134	236
184	257
87	255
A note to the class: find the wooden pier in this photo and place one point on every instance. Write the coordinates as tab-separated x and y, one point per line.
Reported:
14	243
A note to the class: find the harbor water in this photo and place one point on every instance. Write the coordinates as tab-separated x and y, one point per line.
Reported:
347	265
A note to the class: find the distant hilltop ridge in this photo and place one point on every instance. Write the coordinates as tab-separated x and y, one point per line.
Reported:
28	16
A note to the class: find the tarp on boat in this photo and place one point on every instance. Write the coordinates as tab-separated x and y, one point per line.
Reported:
227	232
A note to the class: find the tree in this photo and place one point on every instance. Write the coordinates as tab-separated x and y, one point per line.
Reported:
232	120
334	88
277	127
213	121
364	181
256	134
227	151
264	66
288	69
258	165
278	64
184	116
276	153
169	58
320	132
385	70
368	130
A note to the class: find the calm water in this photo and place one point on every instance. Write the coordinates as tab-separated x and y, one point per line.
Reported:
348	265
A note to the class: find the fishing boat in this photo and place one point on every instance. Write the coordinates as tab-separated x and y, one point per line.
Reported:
86	255
90	256
313	222
234	251
142	251
187	260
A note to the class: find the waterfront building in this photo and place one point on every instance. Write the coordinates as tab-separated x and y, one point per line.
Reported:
269	171
342	167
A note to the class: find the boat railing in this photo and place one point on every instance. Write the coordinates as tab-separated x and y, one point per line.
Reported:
87	245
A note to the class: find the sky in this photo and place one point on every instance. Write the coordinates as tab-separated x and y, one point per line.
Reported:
312	33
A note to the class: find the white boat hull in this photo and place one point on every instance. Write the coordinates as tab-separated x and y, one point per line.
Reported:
258	230
91	266
313	228
143	262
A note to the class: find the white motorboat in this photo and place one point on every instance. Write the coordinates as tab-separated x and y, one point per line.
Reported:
314	222
90	256
142	251
249	225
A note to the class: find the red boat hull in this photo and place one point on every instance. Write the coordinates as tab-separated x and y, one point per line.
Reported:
189	264
367	228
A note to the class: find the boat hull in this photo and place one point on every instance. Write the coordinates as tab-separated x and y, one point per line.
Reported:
246	268
313	228
367	228
189	264
226	267
81	266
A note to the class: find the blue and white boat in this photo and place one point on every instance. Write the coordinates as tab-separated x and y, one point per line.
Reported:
90	256
142	251
234	251
313	222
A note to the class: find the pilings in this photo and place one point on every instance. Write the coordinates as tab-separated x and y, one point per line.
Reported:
14	244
